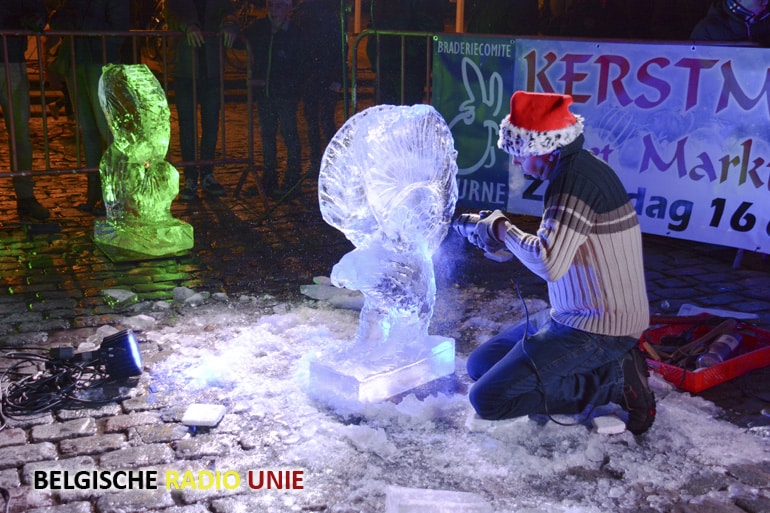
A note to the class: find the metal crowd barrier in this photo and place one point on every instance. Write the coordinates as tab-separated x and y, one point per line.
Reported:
154	48
379	37
160	62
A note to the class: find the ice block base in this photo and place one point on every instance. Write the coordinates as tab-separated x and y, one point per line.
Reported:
146	241
365	378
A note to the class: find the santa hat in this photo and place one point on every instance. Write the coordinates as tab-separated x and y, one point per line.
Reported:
539	123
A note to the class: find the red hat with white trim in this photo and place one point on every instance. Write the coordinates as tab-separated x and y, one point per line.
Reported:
539	123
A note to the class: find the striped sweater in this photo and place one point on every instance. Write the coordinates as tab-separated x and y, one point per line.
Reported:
588	248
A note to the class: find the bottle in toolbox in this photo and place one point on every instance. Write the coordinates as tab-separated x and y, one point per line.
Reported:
719	350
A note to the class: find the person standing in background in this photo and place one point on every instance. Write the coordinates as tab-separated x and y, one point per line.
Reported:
15	15
745	21
321	31
276	55
91	53
197	79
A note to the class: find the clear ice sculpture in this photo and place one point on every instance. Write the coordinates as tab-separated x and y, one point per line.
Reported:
138	184
388	182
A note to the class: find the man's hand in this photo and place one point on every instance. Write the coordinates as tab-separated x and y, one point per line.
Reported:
485	236
229	36
194	36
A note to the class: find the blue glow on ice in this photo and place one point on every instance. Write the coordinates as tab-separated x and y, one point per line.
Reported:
388	181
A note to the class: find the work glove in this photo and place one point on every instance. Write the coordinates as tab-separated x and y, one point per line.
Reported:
484	234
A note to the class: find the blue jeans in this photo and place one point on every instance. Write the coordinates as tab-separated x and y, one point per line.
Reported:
16	112
275	114
208	97
93	124
572	369
319	105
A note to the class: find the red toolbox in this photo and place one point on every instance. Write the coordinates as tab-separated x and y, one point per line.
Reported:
752	353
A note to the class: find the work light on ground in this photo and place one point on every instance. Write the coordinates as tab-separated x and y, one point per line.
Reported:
118	353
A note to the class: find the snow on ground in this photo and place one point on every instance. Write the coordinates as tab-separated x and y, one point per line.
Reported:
252	355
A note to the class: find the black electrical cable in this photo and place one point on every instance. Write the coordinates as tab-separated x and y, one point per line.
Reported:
532	362
38	384
59	384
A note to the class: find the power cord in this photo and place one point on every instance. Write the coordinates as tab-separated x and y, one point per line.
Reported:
38	384
524	338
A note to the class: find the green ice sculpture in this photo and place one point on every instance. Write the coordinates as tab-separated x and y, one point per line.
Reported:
138	184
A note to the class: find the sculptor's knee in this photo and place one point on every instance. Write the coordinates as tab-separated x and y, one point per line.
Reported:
486	406
477	365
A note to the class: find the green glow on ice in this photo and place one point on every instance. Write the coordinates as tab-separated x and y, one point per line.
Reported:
138	184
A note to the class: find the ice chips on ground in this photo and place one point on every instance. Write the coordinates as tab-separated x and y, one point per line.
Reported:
608	425
418	500
336	296
203	414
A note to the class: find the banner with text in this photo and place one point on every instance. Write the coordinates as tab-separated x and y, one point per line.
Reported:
686	127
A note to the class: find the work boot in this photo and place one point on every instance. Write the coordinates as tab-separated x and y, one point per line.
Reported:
94	192
189	192
30	207
637	398
211	186
93	204
97	209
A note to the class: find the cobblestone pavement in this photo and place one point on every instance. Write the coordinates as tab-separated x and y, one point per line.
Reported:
51	293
